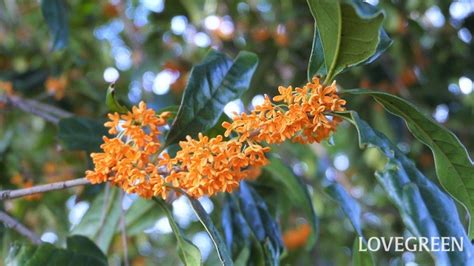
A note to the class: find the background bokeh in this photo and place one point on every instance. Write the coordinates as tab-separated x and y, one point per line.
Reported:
148	48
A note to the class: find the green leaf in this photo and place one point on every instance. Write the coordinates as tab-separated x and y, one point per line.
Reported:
425	209
188	252
454	167
349	206
80	252
141	216
347	34
361	258
205	219
262	224
80	133
55	14
297	192
112	102
212	84
101	219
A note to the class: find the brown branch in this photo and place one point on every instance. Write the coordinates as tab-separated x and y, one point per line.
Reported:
17	193
45	111
20	228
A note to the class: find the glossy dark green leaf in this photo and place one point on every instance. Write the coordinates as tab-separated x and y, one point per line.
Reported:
454	167
359	256
112	102
261	223
101	219
349	206
219	243
348	34
188	252
425	209
80	133
80	251
212	84
297	192
55	15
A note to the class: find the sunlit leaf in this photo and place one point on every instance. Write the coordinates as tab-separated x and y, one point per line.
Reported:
347	34
112	102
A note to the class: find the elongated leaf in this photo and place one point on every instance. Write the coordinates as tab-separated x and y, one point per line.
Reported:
298	193
359	257
454	167
55	14
141	215
262	224
219	243
80	133
80	251
101	219
347	34
188	252
426	210
349	206
212	84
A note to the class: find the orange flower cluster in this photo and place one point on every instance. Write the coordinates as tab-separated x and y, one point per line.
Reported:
297	238
205	166
303	116
128	159
56	86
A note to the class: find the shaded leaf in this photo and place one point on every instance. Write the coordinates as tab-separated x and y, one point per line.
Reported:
454	167
140	216
349	206
188	252
55	14
297	192
205	219
80	251
80	133
425	209
101	219
212	84
359	257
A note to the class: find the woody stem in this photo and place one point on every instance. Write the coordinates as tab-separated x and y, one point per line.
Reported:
19	227
18	193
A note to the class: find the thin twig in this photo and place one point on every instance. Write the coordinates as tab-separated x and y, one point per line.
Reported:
123	229
17	193
45	111
20	228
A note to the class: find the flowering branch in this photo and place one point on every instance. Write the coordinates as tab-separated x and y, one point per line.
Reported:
17	193
20	228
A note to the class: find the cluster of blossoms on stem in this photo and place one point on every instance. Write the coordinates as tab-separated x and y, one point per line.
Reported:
303	116
134	161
